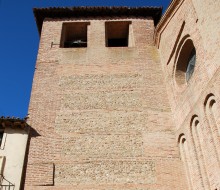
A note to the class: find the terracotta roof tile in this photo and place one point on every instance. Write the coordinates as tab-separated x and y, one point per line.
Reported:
13	122
68	12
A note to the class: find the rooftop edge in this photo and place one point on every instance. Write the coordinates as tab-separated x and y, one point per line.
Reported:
75	12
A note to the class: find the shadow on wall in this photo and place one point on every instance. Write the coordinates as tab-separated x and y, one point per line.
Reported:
32	133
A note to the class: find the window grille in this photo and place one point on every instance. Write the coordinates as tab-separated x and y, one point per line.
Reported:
5	184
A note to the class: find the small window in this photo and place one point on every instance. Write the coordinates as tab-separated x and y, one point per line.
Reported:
1	136
74	35
2	164
191	64
186	61
117	34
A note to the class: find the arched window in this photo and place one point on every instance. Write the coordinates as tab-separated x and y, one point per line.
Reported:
185	61
198	141
185	155
211	112
191	64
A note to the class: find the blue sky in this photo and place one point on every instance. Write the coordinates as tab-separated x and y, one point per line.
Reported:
19	41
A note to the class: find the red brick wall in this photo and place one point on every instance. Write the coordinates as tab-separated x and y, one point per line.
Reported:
196	104
102	114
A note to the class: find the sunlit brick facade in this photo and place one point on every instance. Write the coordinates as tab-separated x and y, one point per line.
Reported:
111	105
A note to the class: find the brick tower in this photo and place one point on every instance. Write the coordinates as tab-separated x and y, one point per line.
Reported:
99	103
122	102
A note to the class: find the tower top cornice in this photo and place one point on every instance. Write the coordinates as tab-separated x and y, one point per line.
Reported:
95	12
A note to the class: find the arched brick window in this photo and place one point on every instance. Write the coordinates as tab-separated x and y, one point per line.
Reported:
198	143
185	156
212	115
185	61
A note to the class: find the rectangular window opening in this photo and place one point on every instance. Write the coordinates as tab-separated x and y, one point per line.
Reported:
118	34
74	35
2	164
1	135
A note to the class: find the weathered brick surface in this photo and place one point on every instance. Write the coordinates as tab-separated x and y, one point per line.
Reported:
102	115
102	172
111	146
40	174
132	122
195	105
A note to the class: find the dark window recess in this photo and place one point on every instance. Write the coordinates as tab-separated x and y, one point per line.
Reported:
74	35
1	136
186	61
191	64
121	42
117	33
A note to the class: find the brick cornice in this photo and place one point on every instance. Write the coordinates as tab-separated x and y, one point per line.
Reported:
95	12
165	19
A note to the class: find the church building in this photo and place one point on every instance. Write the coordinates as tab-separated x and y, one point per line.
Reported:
123	98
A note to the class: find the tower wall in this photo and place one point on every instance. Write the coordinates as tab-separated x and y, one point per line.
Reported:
101	114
